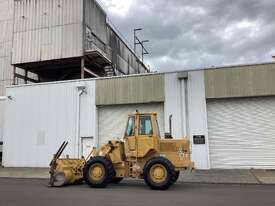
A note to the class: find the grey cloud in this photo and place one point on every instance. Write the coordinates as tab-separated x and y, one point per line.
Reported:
188	34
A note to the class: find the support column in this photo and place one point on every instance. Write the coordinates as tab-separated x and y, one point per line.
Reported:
82	68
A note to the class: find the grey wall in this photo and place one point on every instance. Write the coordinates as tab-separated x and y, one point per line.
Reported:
95	19
130	90
124	59
240	81
46	30
6	15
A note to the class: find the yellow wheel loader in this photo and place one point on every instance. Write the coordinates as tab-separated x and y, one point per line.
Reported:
142	154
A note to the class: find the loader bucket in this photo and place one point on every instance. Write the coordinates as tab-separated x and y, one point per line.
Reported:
67	172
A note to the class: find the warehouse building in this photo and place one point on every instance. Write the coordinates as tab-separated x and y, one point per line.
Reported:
228	113
56	40
68	39
53	40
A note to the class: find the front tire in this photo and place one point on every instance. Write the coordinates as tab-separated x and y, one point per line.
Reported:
98	172
159	173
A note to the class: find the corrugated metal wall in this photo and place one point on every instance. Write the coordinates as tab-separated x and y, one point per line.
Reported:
122	56
130	90
6	25
95	19
47	29
6	16
243	81
242	133
44	116
53	29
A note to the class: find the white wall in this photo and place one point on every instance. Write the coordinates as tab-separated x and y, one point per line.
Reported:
198	118
41	117
185	100
174	105
2	109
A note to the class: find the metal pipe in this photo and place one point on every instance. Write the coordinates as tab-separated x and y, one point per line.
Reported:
135	38
184	102
170	124
81	91
187	125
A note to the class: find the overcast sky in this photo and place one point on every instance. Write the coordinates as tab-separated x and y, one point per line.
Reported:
188	34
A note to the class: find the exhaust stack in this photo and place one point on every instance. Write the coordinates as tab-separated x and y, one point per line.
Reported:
169	135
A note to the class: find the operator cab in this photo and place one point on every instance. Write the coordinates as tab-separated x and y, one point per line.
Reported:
142	125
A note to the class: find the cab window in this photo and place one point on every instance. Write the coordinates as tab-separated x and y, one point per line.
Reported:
130	130
145	125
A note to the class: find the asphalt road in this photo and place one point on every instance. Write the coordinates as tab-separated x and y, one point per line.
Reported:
19	192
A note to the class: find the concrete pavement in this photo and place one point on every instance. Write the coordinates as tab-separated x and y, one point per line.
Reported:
229	177
37	173
198	176
26	192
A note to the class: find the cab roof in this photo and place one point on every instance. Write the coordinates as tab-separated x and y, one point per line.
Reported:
141	114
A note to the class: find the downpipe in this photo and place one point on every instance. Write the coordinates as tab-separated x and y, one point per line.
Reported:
81	91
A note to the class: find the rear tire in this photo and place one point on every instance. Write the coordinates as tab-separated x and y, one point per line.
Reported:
98	172
159	173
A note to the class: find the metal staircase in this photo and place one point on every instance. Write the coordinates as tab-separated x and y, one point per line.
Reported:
109	71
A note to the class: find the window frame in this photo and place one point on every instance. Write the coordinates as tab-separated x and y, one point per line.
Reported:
151	123
127	126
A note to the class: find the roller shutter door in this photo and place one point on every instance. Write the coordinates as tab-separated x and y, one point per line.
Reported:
113	119
242	133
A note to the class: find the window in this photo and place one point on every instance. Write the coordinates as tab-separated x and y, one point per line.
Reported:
130	130
145	125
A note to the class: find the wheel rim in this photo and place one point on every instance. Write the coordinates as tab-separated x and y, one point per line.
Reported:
97	172
158	173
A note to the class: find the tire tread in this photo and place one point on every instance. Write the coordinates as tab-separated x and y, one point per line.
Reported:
109	171
170	170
